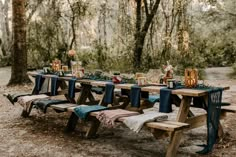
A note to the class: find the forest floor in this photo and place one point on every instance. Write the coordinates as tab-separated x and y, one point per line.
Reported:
42	135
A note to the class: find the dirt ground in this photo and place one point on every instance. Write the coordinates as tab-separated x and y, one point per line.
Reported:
42	135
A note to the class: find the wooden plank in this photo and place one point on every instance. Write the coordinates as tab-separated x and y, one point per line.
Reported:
193	92
196	121
230	108
124	86
189	92
167	125
71	109
152	88
100	83
63	107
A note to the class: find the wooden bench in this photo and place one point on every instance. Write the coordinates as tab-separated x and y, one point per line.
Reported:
167	125
162	125
159	129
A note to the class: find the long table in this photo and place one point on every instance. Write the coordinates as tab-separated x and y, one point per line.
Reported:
186	96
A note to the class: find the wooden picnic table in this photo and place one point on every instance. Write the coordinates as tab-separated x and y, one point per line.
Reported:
186	96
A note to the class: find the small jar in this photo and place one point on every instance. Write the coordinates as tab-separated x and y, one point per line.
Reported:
171	83
116	78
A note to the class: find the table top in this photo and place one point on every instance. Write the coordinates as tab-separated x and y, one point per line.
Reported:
151	88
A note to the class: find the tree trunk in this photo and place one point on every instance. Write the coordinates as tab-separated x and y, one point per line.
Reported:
141	32
138	43
19	54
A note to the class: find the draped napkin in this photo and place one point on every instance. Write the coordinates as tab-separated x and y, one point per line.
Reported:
136	123
213	118
54	85
108	117
39	80
109	93
71	88
26	101
165	100
135	96
83	111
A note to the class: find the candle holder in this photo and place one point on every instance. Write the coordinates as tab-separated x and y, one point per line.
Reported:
56	65
191	78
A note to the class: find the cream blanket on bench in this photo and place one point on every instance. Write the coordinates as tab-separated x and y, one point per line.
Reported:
136	123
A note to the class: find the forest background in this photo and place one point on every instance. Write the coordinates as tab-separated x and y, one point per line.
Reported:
188	33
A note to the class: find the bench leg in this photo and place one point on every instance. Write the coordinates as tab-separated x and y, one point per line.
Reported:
220	131
24	114
71	123
26	111
93	128
174	143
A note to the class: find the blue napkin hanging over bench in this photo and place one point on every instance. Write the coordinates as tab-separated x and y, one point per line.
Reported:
135	96
83	111
54	85
109	93
71	88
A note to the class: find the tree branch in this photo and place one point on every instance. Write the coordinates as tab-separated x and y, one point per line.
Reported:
146	8
150	17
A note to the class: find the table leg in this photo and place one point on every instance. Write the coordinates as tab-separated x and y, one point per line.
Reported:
84	94
184	109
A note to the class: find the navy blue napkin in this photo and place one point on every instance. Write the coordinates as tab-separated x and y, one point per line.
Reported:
213	118
54	85
109	93
38	83
71	88
135	96
165	100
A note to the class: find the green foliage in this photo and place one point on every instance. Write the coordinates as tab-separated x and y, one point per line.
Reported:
50	34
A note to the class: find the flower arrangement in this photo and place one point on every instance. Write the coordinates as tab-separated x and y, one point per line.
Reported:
168	72
71	53
70	57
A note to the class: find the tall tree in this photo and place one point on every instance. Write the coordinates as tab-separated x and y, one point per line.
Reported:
19	53
6	42
142	27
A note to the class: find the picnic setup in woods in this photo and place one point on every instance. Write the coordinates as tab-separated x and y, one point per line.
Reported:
125	78
110	99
